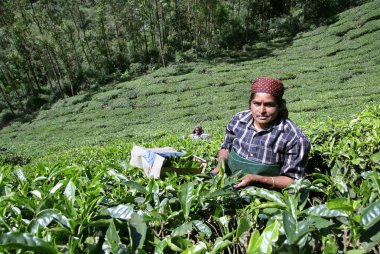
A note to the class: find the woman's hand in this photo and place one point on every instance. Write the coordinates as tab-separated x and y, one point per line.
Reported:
246	181
222	158
216	170
278	182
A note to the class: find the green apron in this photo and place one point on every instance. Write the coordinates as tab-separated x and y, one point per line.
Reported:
237	163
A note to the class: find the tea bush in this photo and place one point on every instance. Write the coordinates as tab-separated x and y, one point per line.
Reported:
91	200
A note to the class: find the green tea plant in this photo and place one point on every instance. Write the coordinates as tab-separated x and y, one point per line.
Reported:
330	71
66	185
178	162
92	201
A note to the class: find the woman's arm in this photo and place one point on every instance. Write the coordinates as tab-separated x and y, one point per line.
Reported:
278	182
222	158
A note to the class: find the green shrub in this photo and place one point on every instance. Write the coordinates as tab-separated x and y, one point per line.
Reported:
6	117
92	193
34	103
11	158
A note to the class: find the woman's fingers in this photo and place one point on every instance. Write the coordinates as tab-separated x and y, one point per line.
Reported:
215	171
244	182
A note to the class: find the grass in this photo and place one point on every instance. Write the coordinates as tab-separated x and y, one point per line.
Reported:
332	71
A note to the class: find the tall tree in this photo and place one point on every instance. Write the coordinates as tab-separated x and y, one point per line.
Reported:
159	30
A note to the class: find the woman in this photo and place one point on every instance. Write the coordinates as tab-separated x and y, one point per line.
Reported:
262	142
199	133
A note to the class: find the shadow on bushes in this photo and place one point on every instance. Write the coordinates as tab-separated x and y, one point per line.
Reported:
317	164
10	158
34	103
6	118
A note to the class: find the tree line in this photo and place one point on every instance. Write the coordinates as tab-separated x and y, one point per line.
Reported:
50	49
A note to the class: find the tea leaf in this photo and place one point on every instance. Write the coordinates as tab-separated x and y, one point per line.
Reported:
319	222
199	248
182	229
340	204
220	245
186	198
122	212
202	227
269	236
138	230
254	242
45	217
371	215
26	242
112	238
271	196
375	157
290	227
323	211
243	226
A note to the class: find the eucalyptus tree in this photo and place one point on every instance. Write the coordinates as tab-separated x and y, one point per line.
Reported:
128	25
117	10
41	18
159	10
11	89
5	76
23	39
101	24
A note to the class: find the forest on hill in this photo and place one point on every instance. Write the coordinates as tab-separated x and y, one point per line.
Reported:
54	49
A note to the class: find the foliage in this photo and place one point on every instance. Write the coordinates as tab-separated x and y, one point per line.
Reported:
12	158
66	184
186	161
332	71
349	146
53	49
5	118
92	200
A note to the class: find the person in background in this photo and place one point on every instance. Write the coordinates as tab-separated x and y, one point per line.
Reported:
198	133
262	143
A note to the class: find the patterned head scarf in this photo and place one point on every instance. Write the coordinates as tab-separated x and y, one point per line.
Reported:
272	86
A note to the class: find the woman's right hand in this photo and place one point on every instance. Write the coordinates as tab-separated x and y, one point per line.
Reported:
216	170
222	158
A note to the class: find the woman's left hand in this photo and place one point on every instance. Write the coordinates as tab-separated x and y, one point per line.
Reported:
246	181
278	182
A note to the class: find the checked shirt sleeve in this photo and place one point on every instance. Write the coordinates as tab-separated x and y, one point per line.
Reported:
296	157
229	135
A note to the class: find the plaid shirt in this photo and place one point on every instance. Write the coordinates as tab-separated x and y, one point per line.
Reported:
283	143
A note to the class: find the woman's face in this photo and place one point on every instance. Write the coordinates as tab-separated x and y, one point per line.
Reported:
197	131
264	109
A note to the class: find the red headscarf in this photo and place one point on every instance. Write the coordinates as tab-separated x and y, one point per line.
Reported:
272	86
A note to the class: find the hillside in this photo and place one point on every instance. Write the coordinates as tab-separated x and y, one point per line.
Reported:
332	71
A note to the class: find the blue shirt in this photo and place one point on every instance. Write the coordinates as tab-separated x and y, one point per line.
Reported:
283	143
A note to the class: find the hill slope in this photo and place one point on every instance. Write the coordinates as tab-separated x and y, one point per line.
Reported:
333	71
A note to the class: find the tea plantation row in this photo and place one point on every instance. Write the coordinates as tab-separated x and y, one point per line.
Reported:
91	200
331	71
